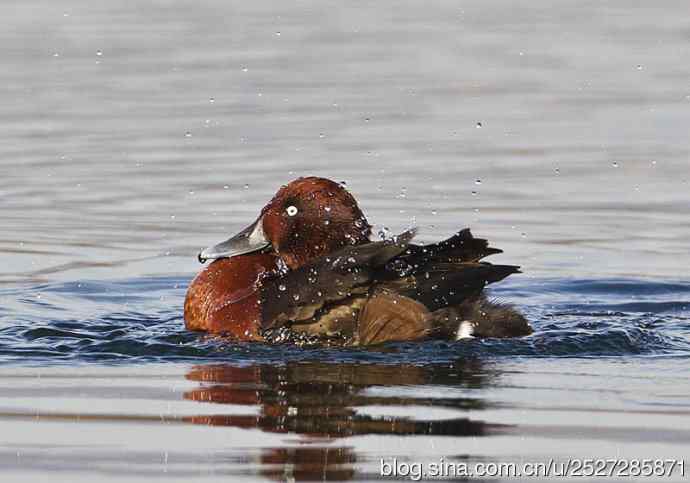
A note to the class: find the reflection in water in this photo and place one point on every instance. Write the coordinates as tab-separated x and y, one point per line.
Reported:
325	401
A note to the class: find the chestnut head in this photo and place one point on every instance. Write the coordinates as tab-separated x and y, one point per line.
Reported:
307	218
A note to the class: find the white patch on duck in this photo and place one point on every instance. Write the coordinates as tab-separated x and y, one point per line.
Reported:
465	330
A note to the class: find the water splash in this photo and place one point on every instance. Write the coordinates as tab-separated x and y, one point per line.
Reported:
140	320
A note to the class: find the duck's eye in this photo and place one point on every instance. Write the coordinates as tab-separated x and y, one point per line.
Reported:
291	210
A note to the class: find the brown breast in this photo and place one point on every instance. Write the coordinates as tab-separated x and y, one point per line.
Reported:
223	297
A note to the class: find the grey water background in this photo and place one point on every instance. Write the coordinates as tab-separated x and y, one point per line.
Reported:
132	134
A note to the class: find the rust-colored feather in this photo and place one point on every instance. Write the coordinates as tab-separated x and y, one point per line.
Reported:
224	296
390	317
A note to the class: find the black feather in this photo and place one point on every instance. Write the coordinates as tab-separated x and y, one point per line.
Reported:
440	284
296	295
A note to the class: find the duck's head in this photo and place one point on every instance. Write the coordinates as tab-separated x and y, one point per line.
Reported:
306	218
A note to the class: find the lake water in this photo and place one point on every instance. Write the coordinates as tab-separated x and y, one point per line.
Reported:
134	134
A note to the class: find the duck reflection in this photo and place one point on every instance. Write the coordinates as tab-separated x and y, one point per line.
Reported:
321	401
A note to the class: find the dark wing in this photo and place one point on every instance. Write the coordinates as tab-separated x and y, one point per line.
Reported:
440	284
297	295
434	276
444	273
461	247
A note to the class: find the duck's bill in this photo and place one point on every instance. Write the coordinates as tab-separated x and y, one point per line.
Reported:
251	239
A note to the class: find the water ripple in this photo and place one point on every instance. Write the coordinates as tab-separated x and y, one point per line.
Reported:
140	320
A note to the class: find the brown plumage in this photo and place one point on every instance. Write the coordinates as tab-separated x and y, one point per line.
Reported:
306	269
391	317
392	291
326	218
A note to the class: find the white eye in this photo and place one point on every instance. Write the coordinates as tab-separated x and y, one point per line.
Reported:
291	210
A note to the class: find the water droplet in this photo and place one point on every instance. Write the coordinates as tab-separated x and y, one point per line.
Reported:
211	100
56	54
226	187
277	34
296	297
282	287
322	135
291	210
342	183
434	212
351	260
614	164
245	69
327	222
328	209
191	193
246	186
172	217
188	134
478	181
558	171
99	53
523	234
639	67
366	119
478	125
474	193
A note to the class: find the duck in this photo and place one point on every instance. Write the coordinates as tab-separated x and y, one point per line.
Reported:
306	271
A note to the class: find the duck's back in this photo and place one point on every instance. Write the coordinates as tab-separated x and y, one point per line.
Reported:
394	291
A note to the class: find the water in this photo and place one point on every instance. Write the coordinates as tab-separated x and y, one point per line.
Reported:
137	321
134	135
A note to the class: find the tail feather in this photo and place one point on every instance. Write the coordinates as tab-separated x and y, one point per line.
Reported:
461	247
486	318
439	284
